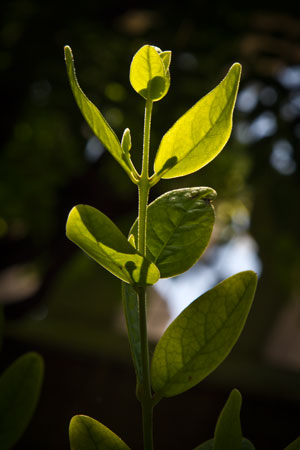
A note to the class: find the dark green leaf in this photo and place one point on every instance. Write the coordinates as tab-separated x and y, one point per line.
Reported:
208	445
93	116
89	434
100	238
202	336
295	445
130	304
202	132
20	388
228	432
179	226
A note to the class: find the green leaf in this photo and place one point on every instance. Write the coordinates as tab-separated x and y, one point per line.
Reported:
295	445
126	141
93	116
179	226
228	432
19	393
149	74
202	336
130	304
88	434
202	132
208	445
100	238
247	445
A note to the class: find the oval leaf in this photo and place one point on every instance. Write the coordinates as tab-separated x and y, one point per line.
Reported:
201	133
202	336
149	73
100	238
228	432
88	434
93	116
130	304
20	388
179	226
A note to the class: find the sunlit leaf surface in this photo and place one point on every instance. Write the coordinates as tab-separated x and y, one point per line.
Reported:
202	336
201	133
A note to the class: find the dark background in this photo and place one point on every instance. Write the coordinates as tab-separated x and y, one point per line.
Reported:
60	303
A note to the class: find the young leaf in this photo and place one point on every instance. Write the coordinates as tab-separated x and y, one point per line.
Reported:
247	445
100	238
179	226
201	133
202	336
295	445
19	392
130	304
148	74
88	434
93	116
228	432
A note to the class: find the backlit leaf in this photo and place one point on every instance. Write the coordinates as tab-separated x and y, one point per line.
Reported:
201	133
228	432
149	75
202	336
100	238
208	445
179	226
93	116
88	434
20	386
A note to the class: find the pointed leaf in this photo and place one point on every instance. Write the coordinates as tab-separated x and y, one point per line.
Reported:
228	432
202	132
179	226
148	74
89	434
295	445
130	304
100	238
19	392
202	336
92	114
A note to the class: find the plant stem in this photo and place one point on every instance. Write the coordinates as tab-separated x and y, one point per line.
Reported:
144	187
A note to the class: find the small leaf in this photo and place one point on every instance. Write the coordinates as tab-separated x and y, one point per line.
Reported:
126	141
179	226
202	132
228	432
100	238
93	116
130	304
88	434
202	336
295	445
148	75
20	386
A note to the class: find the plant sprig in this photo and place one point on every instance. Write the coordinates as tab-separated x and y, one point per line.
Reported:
167	238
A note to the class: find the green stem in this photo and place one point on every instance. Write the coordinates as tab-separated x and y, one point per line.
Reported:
144	187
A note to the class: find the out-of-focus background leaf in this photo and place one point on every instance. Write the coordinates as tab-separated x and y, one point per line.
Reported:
59	302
